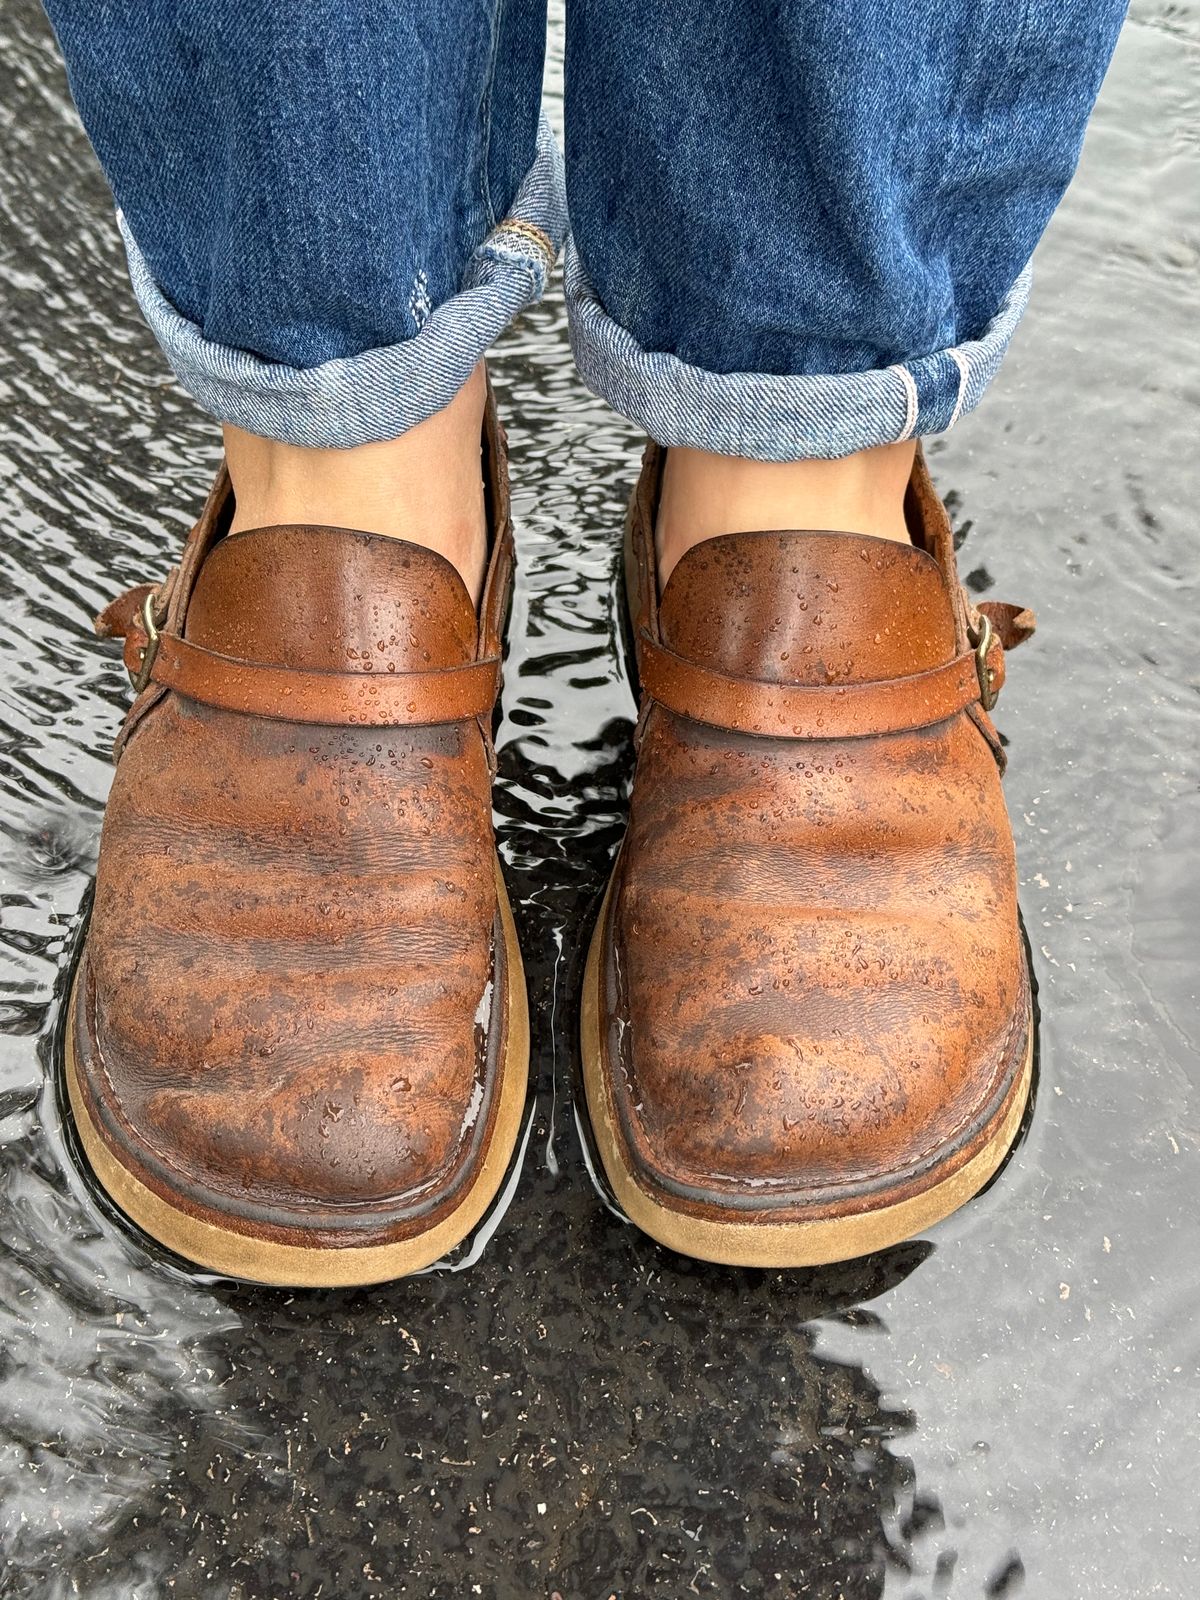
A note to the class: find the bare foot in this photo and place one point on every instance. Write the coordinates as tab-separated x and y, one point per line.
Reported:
426	486
705	494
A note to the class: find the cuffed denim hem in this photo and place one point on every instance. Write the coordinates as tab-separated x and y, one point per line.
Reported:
770	418
380	393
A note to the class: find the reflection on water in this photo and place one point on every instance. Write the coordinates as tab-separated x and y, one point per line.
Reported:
1004	1406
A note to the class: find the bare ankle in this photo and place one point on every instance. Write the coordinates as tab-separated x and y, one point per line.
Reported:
704	495
426	486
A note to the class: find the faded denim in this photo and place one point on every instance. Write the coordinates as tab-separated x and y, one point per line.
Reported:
799	227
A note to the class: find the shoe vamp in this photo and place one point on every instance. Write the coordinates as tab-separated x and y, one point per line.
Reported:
290	951
817	950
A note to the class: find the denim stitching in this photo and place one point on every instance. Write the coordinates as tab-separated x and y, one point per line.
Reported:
485	115
964	377
911	401
524	230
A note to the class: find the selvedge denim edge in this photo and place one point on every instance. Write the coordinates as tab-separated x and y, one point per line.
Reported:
765	417
381	393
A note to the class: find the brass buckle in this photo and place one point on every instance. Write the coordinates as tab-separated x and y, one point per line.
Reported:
150	649
981	638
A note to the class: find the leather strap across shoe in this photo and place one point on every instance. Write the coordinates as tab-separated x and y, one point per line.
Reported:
827	710
384	699
807	1013
298	1044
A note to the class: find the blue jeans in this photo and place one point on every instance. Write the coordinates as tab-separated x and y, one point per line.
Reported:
798	227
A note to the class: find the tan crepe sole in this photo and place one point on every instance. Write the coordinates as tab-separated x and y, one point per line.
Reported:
241	1255
774	1244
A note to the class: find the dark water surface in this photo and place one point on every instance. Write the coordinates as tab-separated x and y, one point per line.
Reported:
1009	1405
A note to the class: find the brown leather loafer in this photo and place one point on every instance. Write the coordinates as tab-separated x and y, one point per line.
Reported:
298	1042
807	1019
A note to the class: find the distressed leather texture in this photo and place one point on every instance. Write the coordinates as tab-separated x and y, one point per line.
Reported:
289	1014
815	988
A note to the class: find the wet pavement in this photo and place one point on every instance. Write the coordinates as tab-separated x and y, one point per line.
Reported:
1008	1405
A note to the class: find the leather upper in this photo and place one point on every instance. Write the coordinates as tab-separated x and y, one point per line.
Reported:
814	976
286	1011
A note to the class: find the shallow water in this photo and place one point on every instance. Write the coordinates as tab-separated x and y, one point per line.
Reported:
1010	1404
